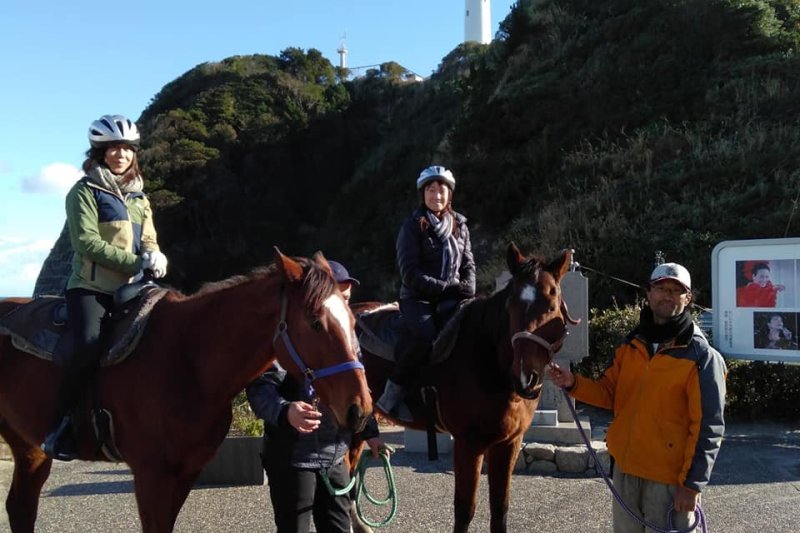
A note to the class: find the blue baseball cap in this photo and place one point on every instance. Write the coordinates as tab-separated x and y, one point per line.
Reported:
340	273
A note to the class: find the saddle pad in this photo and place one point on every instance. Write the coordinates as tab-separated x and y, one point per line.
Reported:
379	330
32	330
31	326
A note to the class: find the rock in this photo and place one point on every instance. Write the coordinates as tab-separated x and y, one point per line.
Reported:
572	459
542	466
540	452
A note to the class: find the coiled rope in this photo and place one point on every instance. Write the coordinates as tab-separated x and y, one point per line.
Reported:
359	482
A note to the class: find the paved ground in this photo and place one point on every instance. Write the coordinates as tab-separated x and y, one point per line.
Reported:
756	487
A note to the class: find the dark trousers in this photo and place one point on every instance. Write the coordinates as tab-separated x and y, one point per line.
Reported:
414	347
298	494
86	310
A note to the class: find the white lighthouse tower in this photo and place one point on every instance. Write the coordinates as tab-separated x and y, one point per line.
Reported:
342	50
478	21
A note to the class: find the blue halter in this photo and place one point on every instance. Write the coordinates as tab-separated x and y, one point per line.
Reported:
310	374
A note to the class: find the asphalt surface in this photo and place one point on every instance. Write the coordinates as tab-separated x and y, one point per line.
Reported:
755	487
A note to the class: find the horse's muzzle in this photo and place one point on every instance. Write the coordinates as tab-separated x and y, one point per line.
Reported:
529	392
356	418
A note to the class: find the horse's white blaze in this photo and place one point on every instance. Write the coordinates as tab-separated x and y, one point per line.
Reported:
337	307
528	294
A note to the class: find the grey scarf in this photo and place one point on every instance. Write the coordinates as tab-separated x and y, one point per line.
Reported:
103	177
451	255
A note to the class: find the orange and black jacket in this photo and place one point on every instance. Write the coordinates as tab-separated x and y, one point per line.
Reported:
668	408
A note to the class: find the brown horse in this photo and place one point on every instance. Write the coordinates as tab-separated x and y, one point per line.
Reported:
171	399
489	387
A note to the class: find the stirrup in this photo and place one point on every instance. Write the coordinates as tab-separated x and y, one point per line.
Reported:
53	445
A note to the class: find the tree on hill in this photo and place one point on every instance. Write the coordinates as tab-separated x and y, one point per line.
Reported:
615	127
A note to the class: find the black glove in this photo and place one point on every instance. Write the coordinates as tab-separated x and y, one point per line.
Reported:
465	291
452	292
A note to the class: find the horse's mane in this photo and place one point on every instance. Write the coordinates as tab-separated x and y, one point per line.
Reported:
487	313
318	284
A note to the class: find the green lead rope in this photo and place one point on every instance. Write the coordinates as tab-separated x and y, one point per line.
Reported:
358	480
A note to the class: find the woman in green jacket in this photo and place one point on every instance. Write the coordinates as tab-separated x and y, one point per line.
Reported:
113	238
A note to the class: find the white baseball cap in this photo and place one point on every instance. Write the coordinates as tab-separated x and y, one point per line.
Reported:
671	271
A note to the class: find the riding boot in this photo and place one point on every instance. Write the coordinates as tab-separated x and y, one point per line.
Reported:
391	402
60	443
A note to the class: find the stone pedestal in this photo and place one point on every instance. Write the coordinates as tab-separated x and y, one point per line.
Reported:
416	441
563	433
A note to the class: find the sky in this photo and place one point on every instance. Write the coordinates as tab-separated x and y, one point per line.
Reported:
64	64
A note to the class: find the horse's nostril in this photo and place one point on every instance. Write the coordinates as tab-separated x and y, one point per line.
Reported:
356	420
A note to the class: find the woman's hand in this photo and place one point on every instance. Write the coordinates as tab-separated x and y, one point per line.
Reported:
303	417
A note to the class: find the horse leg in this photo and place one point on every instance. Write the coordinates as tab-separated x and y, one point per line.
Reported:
31	470
467	461
158	496
500	462
352	459
183	486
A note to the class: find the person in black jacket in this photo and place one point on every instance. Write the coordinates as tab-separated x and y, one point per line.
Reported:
437	269
301	443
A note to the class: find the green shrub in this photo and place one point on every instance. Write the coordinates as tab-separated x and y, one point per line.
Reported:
763	391
245	422
607	328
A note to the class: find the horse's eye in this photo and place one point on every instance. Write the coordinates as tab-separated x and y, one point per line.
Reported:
316	324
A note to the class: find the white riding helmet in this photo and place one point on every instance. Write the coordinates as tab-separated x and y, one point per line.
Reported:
436	173
113	129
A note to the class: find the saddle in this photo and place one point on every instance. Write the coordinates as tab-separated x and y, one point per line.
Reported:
39	326
379	330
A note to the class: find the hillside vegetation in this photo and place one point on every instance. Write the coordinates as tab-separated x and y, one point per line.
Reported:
614	127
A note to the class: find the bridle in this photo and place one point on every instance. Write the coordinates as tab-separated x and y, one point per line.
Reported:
550	347
310	374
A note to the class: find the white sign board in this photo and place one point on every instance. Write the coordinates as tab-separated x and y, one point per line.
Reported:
756	298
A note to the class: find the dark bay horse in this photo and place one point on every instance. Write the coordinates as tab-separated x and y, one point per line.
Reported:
489	387
171	399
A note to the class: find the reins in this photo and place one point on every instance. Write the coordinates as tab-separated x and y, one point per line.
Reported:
359	482
699	516
310	375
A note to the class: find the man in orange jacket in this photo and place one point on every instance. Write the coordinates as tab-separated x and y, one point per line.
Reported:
666	387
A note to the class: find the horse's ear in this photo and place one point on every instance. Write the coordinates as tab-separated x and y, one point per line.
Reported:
514	258
560	265
319	259
290	269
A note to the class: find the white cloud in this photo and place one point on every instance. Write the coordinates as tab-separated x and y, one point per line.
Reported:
5	168
54	178
20	262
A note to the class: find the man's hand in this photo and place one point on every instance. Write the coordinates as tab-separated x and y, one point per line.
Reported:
303	417
377	445
686	499
562	377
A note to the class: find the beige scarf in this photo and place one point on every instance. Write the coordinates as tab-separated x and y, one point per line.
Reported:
103	177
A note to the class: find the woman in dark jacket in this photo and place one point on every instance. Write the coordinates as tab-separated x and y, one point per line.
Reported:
434	255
